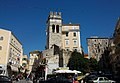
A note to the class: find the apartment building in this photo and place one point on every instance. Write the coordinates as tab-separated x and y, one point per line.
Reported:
71	37
10	52
96	46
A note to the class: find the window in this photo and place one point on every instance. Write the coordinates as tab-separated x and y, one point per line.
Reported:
118	45
106	78
53	28
74	34
73	27
0	47
24	59
106	43
67	42
1	37
66	34
101	79
1	71
67	49
57	28
74	48
66	28
75	42
24	64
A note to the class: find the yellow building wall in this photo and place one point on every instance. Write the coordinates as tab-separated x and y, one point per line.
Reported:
5	45
11	51
71	29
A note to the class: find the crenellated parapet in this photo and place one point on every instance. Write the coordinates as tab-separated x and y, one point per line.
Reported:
54	15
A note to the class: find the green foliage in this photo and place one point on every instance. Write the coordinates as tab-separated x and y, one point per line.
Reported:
93	64
78	62
104	63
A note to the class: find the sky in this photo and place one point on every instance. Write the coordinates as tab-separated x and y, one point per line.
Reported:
27	19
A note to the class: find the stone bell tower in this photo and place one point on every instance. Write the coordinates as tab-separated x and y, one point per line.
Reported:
54	30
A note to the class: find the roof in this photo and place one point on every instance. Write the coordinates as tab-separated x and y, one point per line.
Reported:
71	24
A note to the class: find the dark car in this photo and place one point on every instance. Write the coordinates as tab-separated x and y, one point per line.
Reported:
5	79
58	80
89	77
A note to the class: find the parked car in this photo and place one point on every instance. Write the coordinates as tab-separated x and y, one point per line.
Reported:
58	80
101	80
5	79
89	77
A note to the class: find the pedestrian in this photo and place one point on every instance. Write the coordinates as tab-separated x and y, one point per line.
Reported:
75	81
69	77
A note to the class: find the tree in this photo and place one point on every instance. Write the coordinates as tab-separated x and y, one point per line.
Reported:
104	62
86	65
93	64
78	62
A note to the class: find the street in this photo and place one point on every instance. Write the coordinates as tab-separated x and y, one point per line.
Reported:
22	81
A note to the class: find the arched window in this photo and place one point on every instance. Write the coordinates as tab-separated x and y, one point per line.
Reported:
53	28
57	28
74	34
66	34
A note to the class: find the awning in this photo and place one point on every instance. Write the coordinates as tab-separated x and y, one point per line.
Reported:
75	71
13	68
67	71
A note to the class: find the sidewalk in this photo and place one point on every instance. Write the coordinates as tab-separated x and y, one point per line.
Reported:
23	81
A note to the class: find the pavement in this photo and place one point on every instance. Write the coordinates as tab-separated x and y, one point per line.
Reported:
23	81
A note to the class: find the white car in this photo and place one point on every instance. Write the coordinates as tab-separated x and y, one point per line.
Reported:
101	80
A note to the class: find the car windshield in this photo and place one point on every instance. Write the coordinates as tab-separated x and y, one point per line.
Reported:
92	77
95	78
106	78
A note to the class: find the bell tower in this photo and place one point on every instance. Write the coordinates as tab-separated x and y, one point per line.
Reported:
54	30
